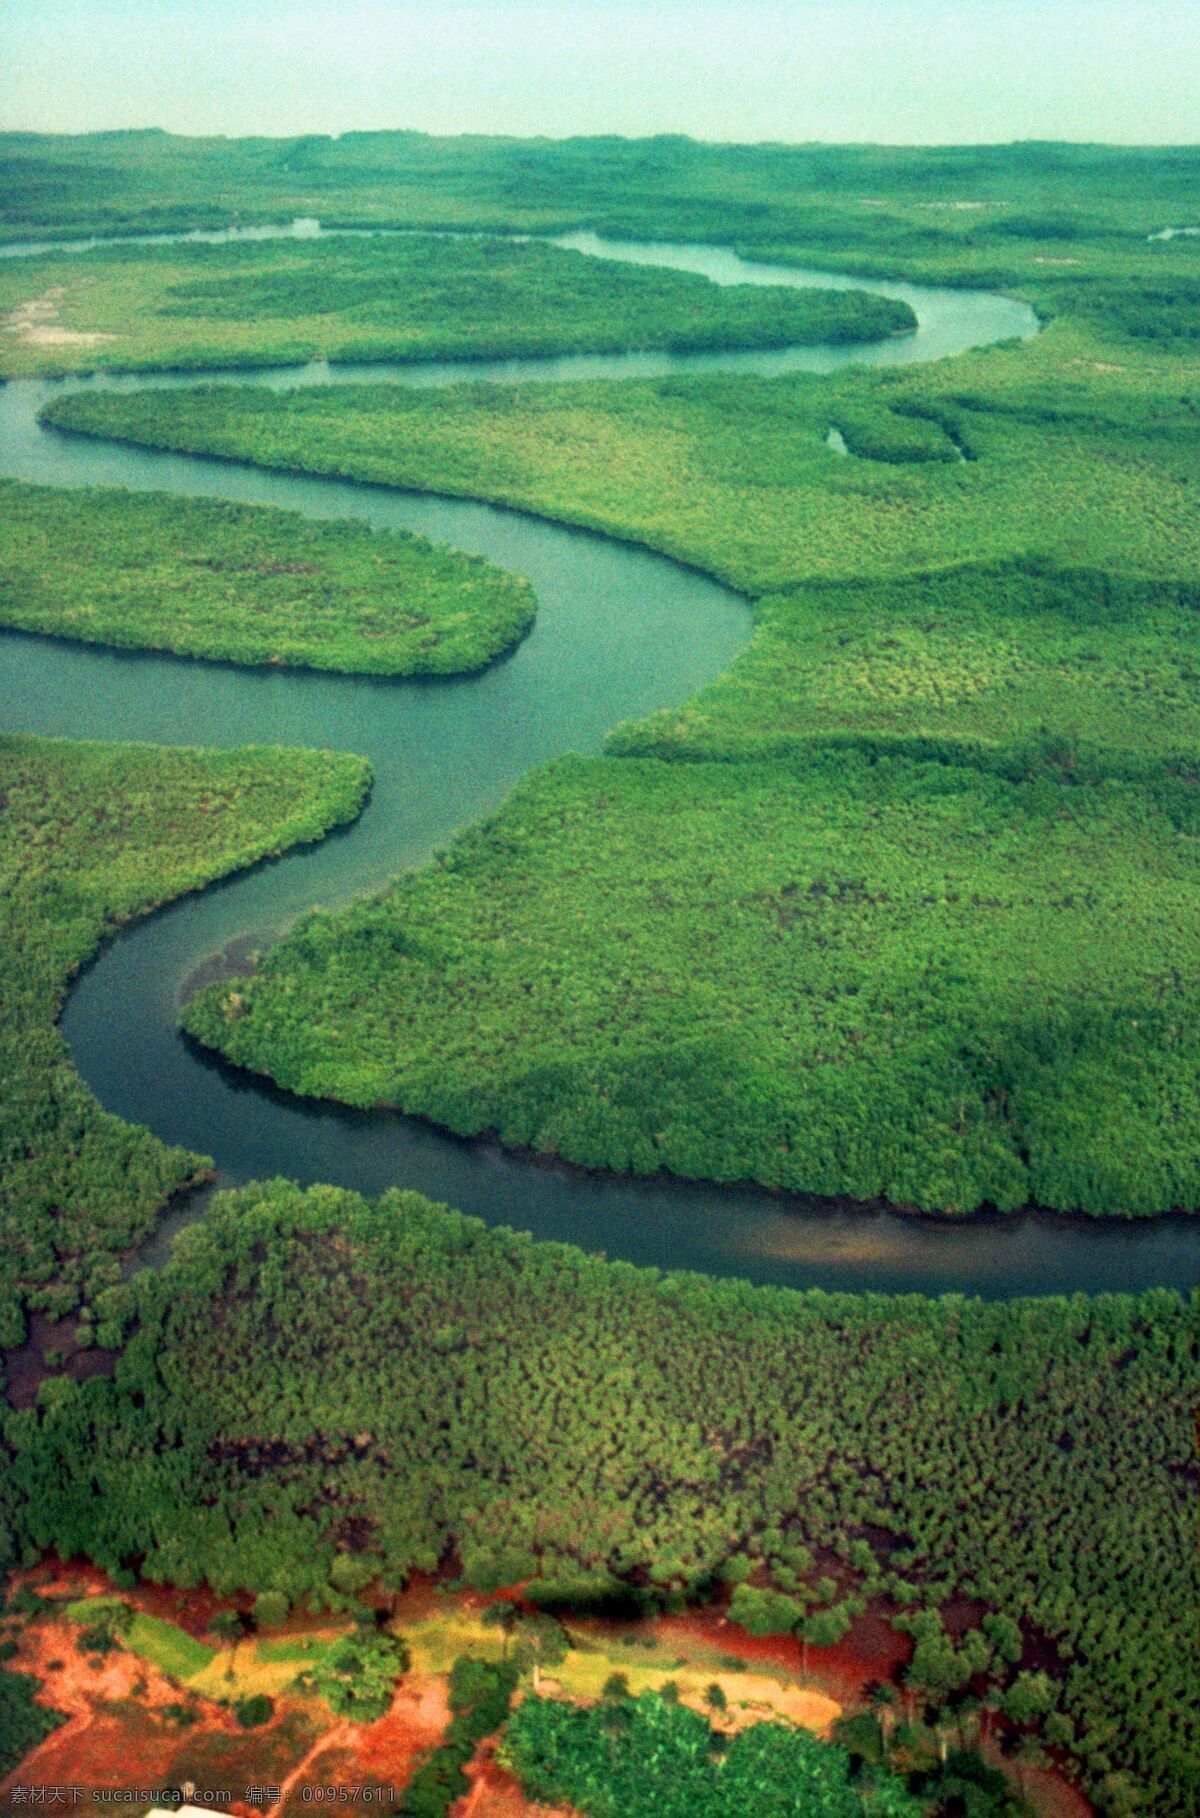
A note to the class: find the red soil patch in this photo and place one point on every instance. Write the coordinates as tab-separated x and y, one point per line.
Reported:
1052	1795
26	1368
496	1794
379	1754
111	1733
119	1732
872	1650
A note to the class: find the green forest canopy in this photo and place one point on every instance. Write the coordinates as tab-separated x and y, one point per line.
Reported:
313	1374
246	584
925	981
92	836
1025	611
965	1448
401	298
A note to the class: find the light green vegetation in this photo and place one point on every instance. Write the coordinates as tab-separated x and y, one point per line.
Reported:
733	474
91	837
966	211
357	1673
405	298
309	1365
247	584
1028	611
171	1649
649	1758
966	660
287	1650
923	981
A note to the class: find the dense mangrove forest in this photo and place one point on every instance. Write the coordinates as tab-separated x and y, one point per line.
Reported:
898	905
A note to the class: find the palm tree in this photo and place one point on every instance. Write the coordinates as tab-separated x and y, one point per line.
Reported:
883	1699
226	1625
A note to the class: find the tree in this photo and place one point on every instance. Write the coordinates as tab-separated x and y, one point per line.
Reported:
1005	1636
228	1627
541	1641
502	1615
270	1610
822	1629
1118	1797
714	1697
1028	1753
936	1669
883	1699
1030	1695
357	1675
352	1572
764	1612
254	1711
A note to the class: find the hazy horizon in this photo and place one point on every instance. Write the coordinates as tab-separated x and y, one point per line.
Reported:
909	72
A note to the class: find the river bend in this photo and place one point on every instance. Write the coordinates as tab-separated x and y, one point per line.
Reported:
619	633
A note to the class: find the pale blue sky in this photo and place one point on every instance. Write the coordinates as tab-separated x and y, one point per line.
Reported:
891	70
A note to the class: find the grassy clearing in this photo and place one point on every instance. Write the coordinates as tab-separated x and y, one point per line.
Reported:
93	836
248	585
290	1650
174	1652
407	298
749	1696
171	1649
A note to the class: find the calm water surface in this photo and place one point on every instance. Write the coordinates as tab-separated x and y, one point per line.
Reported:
619	633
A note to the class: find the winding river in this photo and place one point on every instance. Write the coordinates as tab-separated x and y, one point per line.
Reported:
619	632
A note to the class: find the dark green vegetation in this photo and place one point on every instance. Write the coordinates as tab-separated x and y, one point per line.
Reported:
650	1758
480	1694
869	204
406	298
921	980
248	585
313	1373
23	1724
357	1674
91	837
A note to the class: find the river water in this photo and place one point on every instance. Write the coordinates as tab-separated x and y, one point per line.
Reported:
619	632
